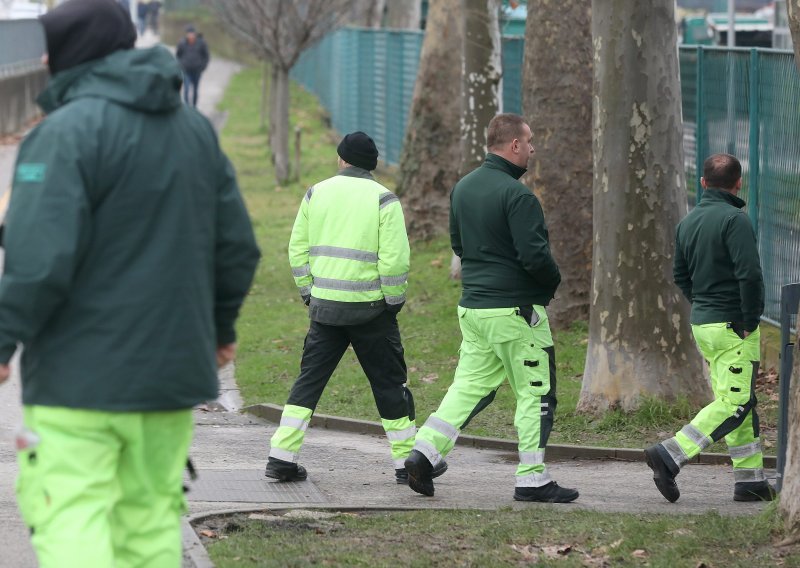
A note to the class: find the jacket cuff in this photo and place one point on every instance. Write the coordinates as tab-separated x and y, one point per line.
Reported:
6	353
226	336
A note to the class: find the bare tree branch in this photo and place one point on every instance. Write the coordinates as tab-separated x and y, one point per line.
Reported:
280	31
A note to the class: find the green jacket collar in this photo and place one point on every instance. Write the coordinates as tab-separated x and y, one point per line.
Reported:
148	80
356	172
495	162
722	195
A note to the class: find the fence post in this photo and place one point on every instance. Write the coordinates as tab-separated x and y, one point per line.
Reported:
699	127
755	137
790	301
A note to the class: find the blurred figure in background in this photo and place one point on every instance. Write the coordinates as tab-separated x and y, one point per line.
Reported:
192	54
142	11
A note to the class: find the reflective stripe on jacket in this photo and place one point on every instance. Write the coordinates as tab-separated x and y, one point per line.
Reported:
349	242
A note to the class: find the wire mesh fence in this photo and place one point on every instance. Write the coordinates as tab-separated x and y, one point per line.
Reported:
744	102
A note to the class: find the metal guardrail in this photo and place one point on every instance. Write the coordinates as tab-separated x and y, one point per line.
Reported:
22	42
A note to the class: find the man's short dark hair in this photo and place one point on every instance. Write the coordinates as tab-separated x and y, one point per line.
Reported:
722	171
503	128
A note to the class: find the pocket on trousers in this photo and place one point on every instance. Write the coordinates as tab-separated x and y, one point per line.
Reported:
29	487
500	325
536	366
738	379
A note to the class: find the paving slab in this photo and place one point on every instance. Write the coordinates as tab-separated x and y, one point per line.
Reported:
355	470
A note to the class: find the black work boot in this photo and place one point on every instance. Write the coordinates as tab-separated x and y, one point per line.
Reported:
420	473
663	472
753	491
285	471
550	493
401	475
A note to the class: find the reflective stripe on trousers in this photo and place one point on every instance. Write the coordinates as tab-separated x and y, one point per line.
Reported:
400	433
733	363
498	344
288	438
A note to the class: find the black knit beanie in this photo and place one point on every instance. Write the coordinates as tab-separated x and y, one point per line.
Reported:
78	31
358	149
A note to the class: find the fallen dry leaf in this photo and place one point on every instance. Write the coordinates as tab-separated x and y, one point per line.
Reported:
436	262
430	378
208	533
639	553
556	550
528	551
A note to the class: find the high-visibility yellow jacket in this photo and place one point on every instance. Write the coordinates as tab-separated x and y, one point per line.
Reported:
349	249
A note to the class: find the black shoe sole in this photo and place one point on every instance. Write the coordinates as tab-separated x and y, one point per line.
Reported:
418	481
668	488
752	497
563	499
285	477
437	472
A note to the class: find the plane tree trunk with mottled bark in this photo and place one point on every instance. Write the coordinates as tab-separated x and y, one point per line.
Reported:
483	69
430	158
557	102
640	342
405	14
790	490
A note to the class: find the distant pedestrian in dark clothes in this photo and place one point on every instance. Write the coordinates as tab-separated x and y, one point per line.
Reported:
192	54
142	12
152	14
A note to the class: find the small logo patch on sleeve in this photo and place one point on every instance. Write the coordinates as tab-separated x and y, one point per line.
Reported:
30	173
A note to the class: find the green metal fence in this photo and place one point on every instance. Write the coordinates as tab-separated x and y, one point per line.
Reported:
180	5
365	79
744	102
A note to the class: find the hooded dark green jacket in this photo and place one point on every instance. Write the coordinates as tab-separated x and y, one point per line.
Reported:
128	247
497	228
716	262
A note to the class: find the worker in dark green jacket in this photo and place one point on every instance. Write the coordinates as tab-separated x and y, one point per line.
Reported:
718	270
497	228
128	254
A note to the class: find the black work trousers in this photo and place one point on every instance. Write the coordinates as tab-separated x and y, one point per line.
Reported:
380	352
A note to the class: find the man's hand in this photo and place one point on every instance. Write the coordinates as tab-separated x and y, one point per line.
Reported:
225	354
5	372
746	333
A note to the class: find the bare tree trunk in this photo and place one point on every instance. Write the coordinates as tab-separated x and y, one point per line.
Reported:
480	99
790	489
273	111
265	97
405	14
428	164
557	100
793	8
279	136
481	78
367	13
640	340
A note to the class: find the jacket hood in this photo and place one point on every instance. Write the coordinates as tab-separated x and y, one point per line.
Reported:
148	80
